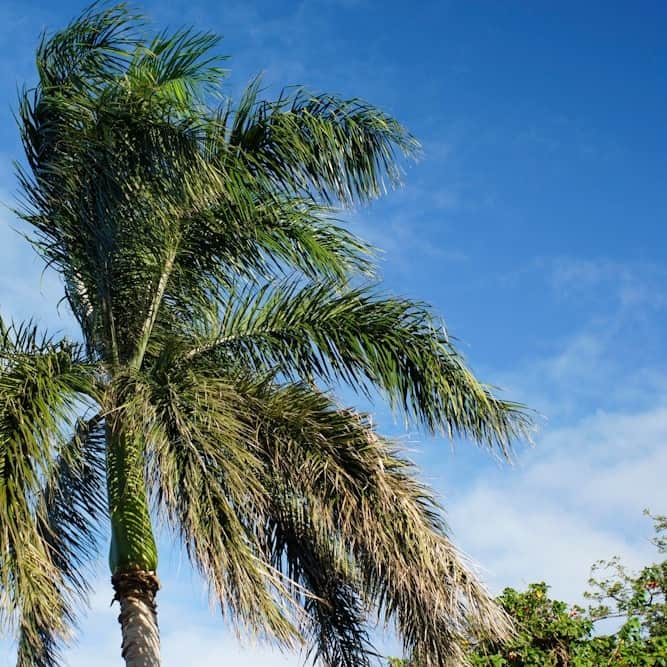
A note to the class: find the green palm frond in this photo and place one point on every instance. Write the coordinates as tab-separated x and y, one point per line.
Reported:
224	246
177	68
43	386
331	332
309	144
271	235
91	49
138	190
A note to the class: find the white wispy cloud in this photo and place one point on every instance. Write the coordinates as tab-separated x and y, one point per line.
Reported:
633	284
576	498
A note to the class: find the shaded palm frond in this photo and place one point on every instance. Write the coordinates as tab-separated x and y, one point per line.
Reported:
43	386
325	580
92	48
68	514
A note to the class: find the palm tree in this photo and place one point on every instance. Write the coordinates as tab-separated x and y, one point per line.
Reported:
219	301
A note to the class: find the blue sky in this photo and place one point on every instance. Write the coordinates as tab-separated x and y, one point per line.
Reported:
535	224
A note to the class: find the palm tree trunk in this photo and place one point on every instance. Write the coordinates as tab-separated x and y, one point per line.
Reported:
132	553
135	591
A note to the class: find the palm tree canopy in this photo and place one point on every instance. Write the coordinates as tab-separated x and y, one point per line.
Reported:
220	300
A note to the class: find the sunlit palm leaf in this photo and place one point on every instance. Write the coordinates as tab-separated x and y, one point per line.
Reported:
309	144
177	68
362	338
207	481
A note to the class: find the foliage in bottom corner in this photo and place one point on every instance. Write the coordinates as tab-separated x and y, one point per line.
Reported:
551	633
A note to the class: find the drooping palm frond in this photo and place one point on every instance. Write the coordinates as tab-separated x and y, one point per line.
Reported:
331	332
68	514
206	481
252	539
358	493
44	482
327	582
317	495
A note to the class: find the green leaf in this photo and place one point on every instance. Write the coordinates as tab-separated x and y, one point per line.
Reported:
337	333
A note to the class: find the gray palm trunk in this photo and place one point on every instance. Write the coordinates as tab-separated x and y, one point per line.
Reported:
135	592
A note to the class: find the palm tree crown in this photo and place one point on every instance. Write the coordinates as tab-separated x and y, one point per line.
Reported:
219	300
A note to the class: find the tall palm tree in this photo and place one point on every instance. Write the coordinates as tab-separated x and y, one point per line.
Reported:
219	301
